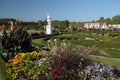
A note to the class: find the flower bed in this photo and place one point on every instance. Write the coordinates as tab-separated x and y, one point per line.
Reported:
64	64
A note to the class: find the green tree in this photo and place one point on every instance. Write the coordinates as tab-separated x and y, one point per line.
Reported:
76	24
40	23
55	23
102	20
62	24
108	20
45	22
116	19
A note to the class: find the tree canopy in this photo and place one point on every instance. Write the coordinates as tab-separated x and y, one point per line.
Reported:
57	23
116	19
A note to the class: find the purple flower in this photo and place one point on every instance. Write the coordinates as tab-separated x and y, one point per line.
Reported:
97	65
89	68
98	78
118	78
110	68
105	70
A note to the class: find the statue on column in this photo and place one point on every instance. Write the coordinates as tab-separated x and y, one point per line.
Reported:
49	27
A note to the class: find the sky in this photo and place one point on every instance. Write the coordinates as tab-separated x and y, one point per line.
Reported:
72	10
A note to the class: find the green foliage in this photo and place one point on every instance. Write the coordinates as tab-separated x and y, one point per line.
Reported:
75	55
116	19
102	20
61	24
40	23
16	41
65	62
39	42
29	25
30	66
76	25
2	69
5	21
106	60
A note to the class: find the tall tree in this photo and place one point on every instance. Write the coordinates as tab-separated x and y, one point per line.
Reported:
62	24
40	23
102	20
116	19
108	20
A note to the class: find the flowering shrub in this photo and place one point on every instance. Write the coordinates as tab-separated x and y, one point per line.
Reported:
23	57
98	71
64	63
17	40
26	66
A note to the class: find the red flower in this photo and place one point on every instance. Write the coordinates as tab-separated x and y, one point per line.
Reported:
10	22
54	72
2	27
81	72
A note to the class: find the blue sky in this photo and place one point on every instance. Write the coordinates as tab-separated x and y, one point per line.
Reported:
72	10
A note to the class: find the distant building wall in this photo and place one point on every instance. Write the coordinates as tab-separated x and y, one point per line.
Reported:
95	25
92	25
114	26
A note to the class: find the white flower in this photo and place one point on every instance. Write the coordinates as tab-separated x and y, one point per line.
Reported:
55	40
48	41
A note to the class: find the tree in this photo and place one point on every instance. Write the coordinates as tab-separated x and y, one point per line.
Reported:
116	19
108	20
45	22
62	24
102	20
76	24
55	23
40	23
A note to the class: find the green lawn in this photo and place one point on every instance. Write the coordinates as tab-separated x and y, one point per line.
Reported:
110	43
39	42
106	60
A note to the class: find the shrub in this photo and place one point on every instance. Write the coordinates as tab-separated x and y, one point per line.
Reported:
27	66
67	61
17	40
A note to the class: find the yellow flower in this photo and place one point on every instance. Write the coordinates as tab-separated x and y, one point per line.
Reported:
35	53
15	61
19	57
25	61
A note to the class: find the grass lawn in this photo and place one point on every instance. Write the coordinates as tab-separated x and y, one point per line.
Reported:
39	42
105	40
106	60
110	43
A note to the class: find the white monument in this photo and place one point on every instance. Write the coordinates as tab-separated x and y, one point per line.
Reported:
48	27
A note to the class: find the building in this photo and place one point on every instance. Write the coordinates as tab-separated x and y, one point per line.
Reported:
95	25
114	26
